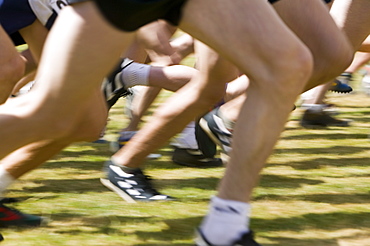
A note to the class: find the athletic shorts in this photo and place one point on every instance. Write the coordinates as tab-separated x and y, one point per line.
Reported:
47	11
17	39
18	14
129	15
15	15
273	1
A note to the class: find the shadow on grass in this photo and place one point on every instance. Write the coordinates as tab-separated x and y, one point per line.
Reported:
183	229
314	221
94	185
329	136
67	186
320	198
342	150
78	165
277	181
318	163
277	241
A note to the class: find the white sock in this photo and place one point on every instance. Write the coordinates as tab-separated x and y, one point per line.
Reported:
135	74
226	221
313	107
5	180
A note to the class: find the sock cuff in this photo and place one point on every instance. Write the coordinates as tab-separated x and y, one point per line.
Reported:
6	179
243	209
135	74
314	107
124	168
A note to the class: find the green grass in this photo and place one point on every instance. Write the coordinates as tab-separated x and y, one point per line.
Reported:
315	190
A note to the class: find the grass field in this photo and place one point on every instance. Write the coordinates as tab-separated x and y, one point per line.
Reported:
314	191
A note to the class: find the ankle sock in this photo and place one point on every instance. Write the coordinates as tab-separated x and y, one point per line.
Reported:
314	107
5	180
135	74
226	222
124	168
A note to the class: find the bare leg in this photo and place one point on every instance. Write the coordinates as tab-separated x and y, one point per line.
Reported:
31	156
360	60
206	94
47	102
155	38
365	46
11	64
143	98
352	18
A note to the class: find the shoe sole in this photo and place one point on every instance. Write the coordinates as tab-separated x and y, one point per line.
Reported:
199	165
307	126
119	192
342	92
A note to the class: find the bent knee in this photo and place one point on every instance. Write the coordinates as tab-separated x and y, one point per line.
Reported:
288	74
331	64
12	70
87	129
74	128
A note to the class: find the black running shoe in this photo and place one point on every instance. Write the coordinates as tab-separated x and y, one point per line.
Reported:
209	131
341	83
246	240
132	187
113	86
12	217
340	87
1	238
194	158
313	119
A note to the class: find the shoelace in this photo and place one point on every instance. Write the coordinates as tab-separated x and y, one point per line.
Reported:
144	183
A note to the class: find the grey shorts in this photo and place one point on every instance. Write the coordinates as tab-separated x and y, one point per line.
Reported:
129	15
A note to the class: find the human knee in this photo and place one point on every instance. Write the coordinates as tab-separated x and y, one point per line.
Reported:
88	128
82	125
12	69
329	65
288	74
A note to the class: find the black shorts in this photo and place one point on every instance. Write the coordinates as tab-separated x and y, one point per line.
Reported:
273	1
15	15
17	39
129	15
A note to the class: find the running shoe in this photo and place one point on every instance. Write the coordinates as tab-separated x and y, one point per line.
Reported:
247	239
132	187
113	86
312	119
339	87
194	158
341	83
211	131
13	217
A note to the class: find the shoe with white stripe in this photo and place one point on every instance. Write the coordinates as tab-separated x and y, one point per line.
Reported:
113	86
132	187
211	131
